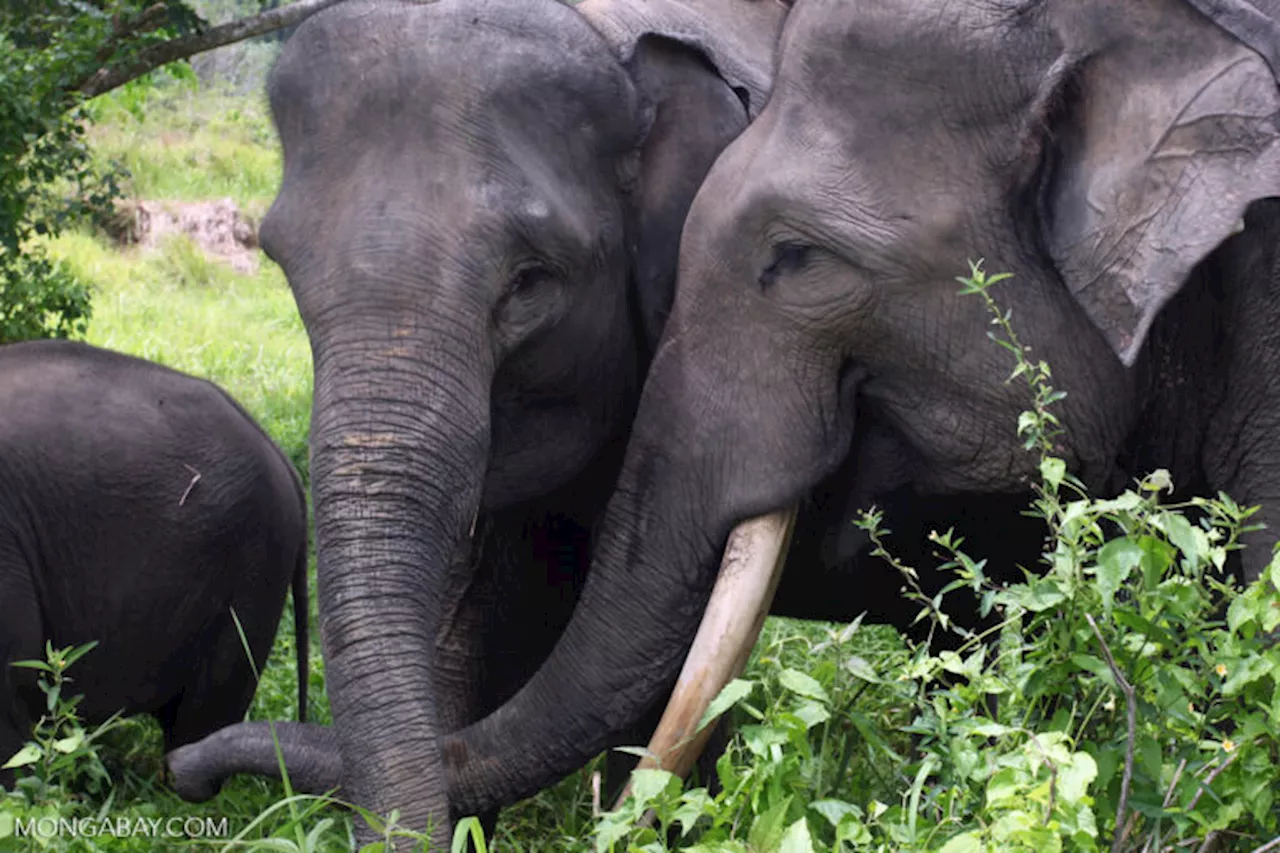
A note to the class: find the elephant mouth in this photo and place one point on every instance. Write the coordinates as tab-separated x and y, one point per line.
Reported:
750	569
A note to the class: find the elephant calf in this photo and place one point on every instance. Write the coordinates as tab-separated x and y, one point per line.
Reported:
139	507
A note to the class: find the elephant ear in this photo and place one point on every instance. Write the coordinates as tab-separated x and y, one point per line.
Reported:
703	70
1164	129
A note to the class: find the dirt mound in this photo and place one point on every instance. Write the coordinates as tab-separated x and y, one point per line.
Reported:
219	228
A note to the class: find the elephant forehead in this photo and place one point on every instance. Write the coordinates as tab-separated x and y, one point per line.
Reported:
359	65
525	201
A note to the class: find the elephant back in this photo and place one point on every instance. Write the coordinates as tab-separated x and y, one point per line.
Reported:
738	37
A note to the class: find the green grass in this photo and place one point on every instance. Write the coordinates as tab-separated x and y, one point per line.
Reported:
189	144
178	308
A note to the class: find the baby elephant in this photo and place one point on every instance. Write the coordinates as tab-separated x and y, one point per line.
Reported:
139	507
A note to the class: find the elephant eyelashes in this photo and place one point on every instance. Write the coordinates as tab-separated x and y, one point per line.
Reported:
787	258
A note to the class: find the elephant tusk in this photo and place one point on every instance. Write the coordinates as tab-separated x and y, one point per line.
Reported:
749	573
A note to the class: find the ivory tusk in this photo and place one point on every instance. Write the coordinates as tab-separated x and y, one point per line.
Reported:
749	573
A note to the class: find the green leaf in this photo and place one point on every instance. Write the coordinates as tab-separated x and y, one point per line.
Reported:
1003	786
71	743
965	842
1116	560
835	810
1242	609
766	830
796	839
610	829
648	784
29	754
804	685
1037	595
693	805
759	739
733	692
1052	470
1244	672
812	713
1074	779
1182	534
859	668
990	729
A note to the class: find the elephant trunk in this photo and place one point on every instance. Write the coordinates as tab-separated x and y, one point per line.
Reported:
400	440
310	755
699	463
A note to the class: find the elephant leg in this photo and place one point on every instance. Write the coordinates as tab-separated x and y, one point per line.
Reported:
222	683
21	631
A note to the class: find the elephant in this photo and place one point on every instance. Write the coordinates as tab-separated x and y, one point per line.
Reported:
139	508
1121	160
479	219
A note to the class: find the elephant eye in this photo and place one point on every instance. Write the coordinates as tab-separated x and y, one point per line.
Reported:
527	279
787	258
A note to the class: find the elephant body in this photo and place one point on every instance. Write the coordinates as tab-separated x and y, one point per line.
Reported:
483	252
138	507
1122	161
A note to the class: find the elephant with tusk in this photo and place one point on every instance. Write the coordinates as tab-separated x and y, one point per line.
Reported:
1104	153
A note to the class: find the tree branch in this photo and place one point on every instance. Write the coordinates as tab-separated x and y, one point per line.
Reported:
1131	707
106	79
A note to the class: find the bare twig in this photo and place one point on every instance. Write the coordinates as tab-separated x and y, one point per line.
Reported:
1208	842
1273	844
195	478
1131	708
1208	780
1153	843
1177	774
106	79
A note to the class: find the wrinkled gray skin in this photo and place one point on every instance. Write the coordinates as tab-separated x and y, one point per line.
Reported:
479	219
1102	152
106	535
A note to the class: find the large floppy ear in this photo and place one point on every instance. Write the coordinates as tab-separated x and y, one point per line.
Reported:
704	69
1162	127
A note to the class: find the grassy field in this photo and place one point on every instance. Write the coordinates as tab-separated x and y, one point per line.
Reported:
177	307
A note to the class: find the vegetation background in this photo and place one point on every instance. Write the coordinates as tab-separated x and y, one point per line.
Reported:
848	738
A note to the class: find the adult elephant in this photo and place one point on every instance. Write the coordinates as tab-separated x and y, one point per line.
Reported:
1122	159
479	218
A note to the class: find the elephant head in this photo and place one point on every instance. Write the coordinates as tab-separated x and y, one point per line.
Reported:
479	219
1100	151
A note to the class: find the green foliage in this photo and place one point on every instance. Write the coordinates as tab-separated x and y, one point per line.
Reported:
59	749
48	178
61	756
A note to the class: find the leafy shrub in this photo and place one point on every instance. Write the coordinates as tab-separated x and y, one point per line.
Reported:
61	755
